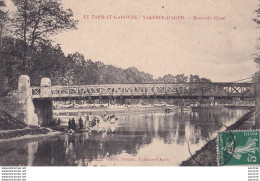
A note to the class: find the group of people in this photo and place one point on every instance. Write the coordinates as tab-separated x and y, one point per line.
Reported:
72	125
90	121
95	121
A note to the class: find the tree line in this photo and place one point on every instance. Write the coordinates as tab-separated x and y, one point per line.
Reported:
26	48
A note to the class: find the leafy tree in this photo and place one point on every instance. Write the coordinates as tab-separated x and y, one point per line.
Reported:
166	79
3	16
197	79
181	78
133	75
9	69
36	20
194	79
205	80
257	20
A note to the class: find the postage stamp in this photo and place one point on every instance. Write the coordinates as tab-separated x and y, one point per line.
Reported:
238	147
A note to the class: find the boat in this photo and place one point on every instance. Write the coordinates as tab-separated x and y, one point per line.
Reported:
169	109
159	105
106	126
65	106
186	109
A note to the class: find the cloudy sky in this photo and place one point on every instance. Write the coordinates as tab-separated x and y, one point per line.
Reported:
220	50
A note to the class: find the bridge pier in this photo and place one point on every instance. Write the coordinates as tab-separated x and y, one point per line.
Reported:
132	99
212	101
89	99
200	101
193	102
24	97
19	103
109	100
44	111
121	100
100	100
236	101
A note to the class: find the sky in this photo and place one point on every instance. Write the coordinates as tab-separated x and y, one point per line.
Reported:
221	50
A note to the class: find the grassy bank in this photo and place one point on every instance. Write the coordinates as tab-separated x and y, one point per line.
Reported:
207	155
13	129
23	132
8	122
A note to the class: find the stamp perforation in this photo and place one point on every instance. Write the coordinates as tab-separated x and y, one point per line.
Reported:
246	144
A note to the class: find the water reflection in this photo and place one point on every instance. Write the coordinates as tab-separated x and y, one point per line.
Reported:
152	135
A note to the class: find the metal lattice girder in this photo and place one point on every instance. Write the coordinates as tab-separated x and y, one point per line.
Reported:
35	92
184	90
195	89
117	90
128	89
221	90
247	90
159	88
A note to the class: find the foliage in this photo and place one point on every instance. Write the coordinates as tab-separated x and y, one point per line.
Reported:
36	20
181	78
257	20
29	51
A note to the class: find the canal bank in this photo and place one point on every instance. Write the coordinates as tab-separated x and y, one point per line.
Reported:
207	155
12	129
26	134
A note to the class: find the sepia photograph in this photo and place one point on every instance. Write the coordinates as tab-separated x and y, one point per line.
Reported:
129	83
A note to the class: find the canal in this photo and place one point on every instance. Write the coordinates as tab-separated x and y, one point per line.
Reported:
139	139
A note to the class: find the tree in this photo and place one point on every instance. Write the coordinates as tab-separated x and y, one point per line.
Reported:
257	20
133	75
181	78
166	79
3	16
194	79
36	20
197	79
205	80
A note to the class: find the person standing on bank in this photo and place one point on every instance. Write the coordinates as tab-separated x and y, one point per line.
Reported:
73	124
69	125
80	123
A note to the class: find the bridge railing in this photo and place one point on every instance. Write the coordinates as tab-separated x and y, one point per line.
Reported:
186	89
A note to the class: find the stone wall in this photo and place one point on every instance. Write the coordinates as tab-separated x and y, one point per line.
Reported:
19	104
13	106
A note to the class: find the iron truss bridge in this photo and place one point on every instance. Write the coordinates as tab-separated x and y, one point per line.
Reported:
186	90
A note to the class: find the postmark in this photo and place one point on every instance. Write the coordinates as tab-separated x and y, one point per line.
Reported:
238	148
211	150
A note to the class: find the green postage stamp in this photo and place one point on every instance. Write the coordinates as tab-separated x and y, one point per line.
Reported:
238	147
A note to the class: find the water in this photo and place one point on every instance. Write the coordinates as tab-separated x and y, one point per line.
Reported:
138	140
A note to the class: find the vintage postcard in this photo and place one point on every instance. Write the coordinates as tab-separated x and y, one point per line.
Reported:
129	83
